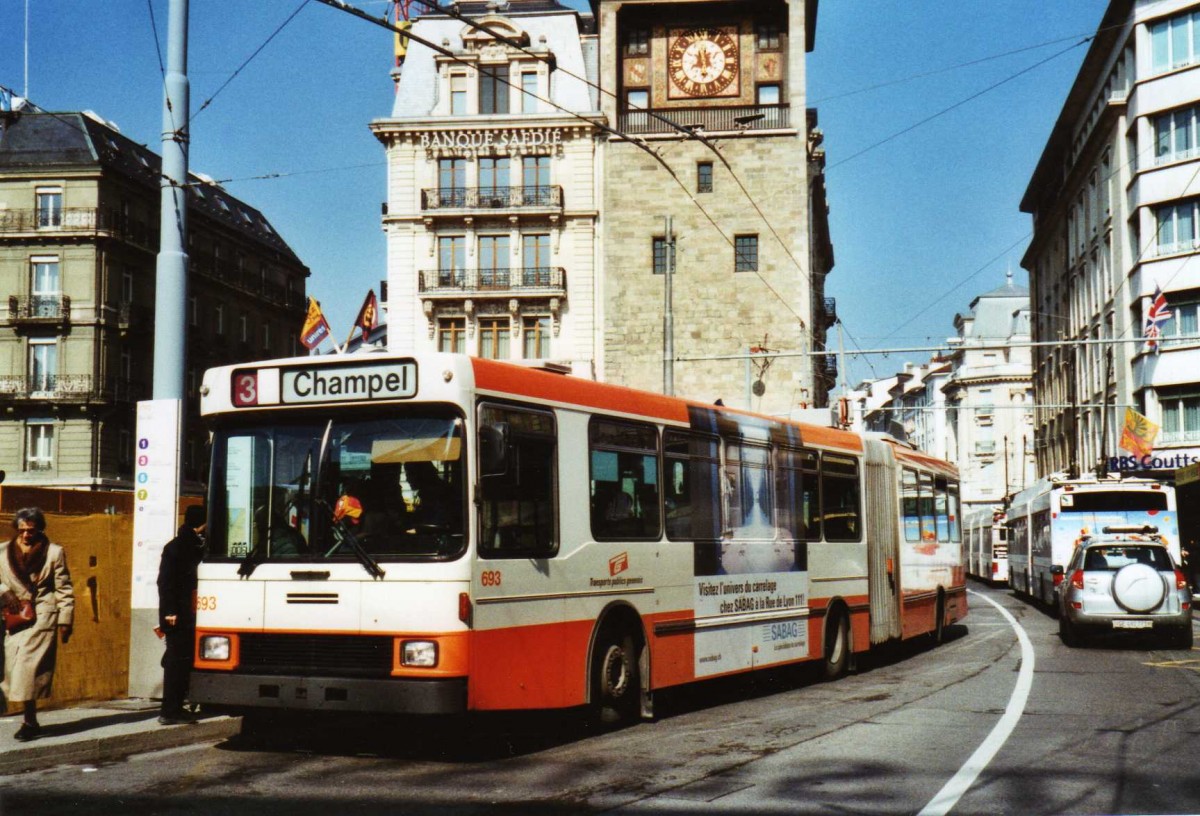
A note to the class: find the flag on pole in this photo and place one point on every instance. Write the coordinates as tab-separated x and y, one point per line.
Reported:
316	327
368	315
1156	314
1139	434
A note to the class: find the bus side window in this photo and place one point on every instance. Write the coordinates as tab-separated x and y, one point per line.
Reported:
517	511
910	501
796	493
840	493
625	494
691	486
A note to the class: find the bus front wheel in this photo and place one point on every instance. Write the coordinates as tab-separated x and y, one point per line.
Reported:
616	684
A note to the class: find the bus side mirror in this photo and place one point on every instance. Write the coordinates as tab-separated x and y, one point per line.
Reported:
1057	569
493	449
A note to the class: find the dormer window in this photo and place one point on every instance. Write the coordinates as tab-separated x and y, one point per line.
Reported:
458	94
493	89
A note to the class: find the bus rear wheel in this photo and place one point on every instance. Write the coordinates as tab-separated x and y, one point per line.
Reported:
616	682
837	647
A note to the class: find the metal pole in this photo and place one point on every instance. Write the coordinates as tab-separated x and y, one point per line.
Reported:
170	298
669	315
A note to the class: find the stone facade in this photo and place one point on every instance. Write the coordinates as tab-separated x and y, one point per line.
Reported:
751	252
79	236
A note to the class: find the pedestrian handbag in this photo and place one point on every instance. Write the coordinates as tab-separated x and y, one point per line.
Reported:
20	618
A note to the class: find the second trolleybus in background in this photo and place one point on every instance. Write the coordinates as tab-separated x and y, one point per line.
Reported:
985	540
1048	519
438	533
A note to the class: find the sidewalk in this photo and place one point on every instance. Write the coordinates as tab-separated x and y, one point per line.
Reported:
102	732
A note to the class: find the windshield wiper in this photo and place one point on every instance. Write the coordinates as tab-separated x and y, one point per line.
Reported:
340	529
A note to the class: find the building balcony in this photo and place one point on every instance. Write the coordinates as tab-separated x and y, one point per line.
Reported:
490	200
983	448
709	120
39	310
77	222
529	281
1178	438
827	369
70	388
829	312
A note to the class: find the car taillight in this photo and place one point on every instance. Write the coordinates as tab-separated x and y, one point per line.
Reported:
995	567
1077	579
1181	582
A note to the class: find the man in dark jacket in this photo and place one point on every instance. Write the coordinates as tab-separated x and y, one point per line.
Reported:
177	612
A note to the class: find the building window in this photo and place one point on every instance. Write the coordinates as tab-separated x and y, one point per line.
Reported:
766	36
49	206
493	89
1176	230
535	178
745	253
452	182
659	253
244	328
529	92
452	260
535	333
768	94
494	182
43	366
266	336
1180	416
458	94
39	444
637	42
1175	135
493	338
193	311
452	335
1184	324
535	254
45	287
637	100
704	177
126	366
494	252
1175	43
127	287
219	319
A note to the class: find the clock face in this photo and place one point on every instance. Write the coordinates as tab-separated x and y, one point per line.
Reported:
703	61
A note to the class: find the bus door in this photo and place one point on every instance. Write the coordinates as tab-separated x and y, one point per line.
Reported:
517	653
883	540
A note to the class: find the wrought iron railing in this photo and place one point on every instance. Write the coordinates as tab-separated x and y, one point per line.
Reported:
70	388
829	313
521	279
488	198
39	308
736	118
87	220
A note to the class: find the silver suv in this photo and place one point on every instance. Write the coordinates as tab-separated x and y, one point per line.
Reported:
1125	581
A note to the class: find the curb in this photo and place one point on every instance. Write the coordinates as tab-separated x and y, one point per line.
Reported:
52	752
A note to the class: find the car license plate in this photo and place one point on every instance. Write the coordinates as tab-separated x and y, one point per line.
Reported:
1133	624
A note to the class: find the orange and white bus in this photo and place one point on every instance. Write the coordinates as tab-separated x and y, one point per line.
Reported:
438	533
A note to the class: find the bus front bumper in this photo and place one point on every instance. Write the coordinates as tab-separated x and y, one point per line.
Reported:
222	690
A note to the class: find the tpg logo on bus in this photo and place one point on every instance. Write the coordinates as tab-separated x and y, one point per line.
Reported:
350	383
618	564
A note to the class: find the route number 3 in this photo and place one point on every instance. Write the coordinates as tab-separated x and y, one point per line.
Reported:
490	578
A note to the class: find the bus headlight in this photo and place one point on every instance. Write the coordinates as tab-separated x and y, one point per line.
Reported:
419	653
214	647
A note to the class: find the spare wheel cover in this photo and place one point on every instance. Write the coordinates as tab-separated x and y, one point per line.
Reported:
1138	587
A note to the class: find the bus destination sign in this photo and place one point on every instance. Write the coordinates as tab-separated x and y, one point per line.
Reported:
349	383
364	382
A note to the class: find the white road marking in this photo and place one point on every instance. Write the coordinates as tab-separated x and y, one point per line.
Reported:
953	790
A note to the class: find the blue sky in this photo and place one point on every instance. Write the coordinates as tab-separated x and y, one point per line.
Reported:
920	213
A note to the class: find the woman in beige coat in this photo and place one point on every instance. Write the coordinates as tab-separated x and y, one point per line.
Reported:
33	569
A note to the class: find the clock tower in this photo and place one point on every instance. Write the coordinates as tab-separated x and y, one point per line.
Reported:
709	100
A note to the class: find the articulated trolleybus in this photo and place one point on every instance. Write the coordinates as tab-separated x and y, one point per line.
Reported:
438	534
985	537
1048	519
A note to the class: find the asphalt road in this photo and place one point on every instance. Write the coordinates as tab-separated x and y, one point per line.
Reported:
1002	718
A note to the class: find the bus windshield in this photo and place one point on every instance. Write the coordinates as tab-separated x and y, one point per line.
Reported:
339	489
